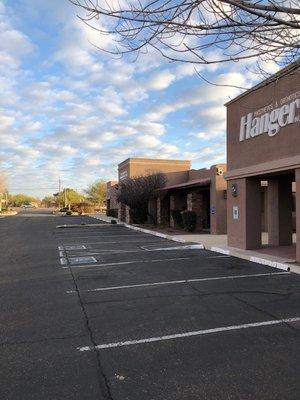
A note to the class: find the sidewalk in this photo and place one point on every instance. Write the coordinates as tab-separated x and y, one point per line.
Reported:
218	243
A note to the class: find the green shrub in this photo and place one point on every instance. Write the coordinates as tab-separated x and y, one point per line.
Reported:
177	216
138	215
189	219
113	212
113	221
69	212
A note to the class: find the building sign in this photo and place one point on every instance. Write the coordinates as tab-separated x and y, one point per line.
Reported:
123	175
271	118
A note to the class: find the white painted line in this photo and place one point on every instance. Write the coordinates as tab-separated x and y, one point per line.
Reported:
63	261
82	260
60	247
62	254
75	247
129	262
104	289
190	334
188	247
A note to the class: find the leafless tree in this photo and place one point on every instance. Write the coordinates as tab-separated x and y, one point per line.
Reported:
136	193
200	31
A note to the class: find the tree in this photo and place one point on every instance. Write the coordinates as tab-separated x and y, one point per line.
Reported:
96	193
50	201
136	193
17	200
200	31
69	196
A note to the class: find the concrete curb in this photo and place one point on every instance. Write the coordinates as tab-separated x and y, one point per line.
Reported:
259	260
149	231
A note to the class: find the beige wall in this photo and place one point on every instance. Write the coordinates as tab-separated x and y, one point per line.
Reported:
133	167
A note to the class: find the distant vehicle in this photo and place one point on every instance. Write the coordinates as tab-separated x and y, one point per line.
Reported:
29	205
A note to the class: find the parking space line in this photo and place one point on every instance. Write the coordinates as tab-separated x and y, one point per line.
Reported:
96	235
130	262
103	289
187	247
190	334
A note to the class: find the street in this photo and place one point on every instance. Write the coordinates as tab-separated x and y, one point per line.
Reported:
91	310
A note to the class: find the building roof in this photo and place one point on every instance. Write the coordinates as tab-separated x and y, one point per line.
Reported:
153	160
187	184
284	71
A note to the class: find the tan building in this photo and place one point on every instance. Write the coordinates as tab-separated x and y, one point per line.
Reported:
263	162
202	191
134	167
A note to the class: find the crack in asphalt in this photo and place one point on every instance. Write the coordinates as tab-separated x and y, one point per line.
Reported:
103	380
234	293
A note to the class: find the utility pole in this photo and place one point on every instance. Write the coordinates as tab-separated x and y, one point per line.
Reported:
59	190
65	198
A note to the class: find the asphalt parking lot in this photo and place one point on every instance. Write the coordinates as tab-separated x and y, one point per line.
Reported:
134	316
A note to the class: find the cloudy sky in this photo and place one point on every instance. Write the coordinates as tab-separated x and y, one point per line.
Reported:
69	110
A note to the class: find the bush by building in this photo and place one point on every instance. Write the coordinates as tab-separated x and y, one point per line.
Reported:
177	217
189	219
113	212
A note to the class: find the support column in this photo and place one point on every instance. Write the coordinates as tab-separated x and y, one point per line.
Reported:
244	213
122	212
163	210
195	203
297	173
127	215
178	201
152	210
280	203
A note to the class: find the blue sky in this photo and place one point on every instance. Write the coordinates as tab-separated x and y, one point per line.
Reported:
69	110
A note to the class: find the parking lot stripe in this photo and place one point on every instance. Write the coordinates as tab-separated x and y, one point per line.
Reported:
130	262
103	289
190	334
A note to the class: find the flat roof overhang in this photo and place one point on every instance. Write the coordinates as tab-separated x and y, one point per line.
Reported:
270	167
189	184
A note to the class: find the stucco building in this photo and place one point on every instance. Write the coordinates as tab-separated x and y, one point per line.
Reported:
263	162
202	191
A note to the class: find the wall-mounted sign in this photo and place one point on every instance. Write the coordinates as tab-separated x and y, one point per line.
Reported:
123	175
212	210
234	189
235	212
270	119
219	171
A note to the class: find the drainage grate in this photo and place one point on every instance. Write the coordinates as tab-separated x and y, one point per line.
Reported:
82	260
76	247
